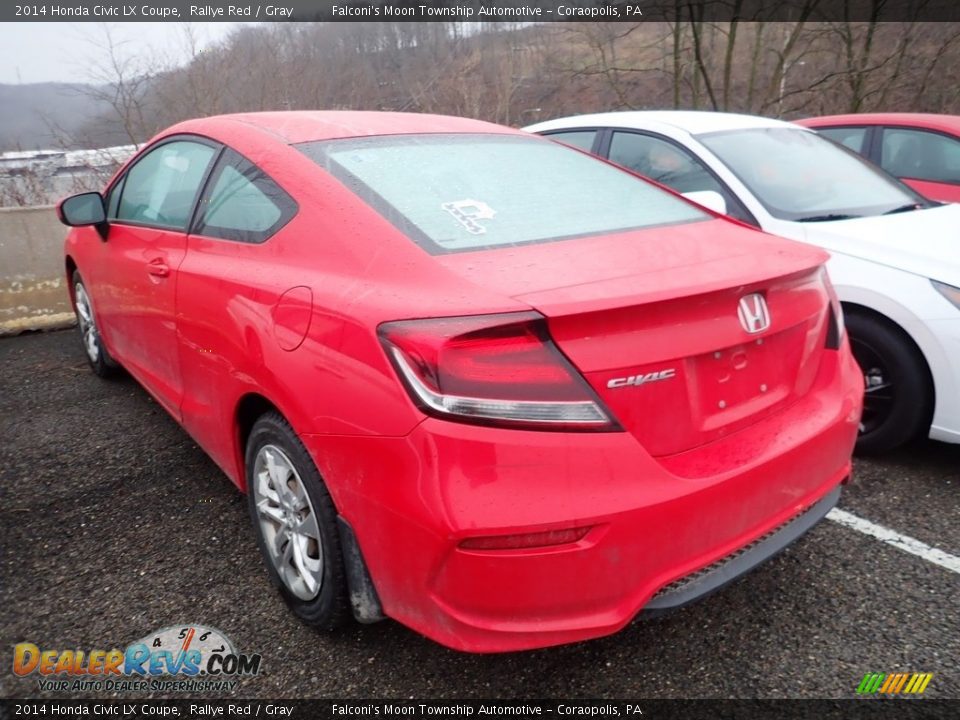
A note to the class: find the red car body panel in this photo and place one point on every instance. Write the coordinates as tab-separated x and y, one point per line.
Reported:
205	324
937	191
653	520
137	303
948	125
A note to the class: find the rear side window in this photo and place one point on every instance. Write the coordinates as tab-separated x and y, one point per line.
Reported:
920	155
850	137
582	139
161	187
452	193
242	203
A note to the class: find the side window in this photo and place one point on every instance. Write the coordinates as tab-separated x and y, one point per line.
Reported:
113	200
161	188
672	166
582	139
850	137
920	155
243	204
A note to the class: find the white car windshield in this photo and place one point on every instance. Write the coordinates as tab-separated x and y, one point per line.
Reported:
798	175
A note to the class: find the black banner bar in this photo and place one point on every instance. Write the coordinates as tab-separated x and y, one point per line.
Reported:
854	709
483	11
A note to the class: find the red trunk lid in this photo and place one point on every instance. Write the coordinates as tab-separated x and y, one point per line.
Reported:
651	320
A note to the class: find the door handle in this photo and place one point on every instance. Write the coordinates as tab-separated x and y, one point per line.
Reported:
158	267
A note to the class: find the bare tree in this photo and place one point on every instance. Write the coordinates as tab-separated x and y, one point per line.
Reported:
122	79
514	73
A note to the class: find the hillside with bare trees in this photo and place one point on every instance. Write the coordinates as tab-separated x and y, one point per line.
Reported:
517	73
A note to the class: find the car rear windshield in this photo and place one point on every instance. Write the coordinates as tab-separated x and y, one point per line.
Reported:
452	193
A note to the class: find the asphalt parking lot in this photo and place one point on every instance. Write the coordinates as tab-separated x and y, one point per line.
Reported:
115	524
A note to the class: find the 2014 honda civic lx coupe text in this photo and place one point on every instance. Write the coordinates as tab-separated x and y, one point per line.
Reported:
471	379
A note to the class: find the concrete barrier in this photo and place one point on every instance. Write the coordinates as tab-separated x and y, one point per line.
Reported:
33	289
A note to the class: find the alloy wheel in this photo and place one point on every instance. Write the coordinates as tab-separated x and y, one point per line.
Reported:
879	389
88	325
288	522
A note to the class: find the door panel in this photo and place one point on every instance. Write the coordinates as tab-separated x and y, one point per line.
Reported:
149	210
142	284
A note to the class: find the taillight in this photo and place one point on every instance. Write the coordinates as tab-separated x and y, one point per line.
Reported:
493	370
836	328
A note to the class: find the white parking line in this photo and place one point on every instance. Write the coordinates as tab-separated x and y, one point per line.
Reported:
892	537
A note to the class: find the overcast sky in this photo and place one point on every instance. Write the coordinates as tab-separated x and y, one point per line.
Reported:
62	52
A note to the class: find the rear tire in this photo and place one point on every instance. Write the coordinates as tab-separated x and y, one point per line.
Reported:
296	524
102	364
898	399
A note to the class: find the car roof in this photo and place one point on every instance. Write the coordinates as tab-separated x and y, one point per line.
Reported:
306	125
692	121
947	123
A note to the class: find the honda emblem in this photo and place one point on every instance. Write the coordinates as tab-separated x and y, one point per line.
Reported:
753	313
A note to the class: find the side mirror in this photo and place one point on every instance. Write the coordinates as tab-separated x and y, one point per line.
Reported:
710	199
83	209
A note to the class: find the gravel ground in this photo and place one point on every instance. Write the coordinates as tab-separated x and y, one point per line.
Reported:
115	524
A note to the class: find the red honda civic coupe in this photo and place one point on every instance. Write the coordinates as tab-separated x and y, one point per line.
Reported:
501	391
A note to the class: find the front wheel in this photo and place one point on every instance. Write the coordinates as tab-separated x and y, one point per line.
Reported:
898	391
296	524
100	360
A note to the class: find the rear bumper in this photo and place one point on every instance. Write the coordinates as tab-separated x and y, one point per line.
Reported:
708	580
653	521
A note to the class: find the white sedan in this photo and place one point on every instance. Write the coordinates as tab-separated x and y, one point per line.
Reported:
895	255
